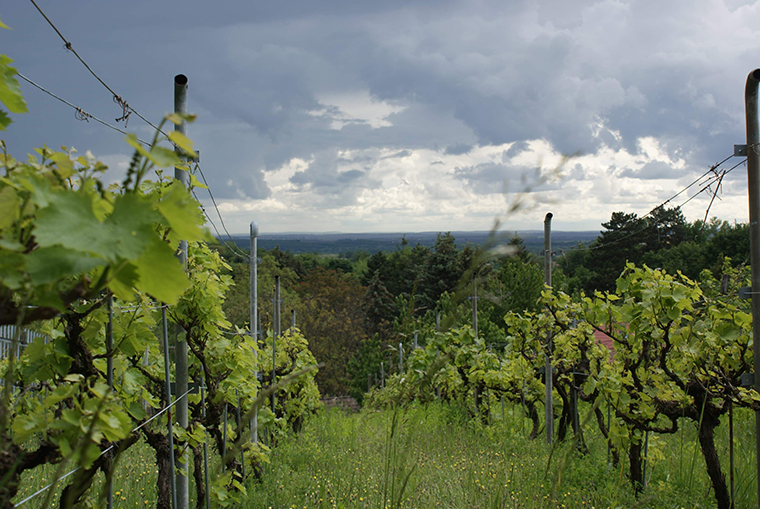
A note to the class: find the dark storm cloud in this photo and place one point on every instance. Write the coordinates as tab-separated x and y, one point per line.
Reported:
579	74
398	155
515	150
458	149
654	170
334	178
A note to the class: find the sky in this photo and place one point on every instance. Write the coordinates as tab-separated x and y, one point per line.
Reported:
408	116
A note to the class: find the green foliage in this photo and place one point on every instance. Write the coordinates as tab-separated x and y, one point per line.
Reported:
300	397
332	318
10	92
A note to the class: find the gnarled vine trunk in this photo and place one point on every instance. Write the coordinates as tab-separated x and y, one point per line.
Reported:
636	472
707	444
160	443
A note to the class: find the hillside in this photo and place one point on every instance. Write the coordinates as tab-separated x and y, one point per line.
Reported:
339	243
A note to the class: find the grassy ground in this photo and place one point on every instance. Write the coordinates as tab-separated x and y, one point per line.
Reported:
436	457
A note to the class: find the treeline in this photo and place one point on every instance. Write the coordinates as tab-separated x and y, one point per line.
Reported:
663	239
358	308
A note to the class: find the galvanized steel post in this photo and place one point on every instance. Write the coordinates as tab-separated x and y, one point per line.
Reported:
168	391
275	332
109	375
475	306
254	310
753	181
180	353
547	356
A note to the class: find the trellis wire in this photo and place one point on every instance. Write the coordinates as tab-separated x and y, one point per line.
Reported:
105	451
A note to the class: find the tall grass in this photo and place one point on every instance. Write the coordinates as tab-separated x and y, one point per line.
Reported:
444	459
436	456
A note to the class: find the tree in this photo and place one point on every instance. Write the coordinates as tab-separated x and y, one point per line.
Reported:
379	307
442	271
333	320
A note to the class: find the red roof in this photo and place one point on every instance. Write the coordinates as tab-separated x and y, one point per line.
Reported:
605	340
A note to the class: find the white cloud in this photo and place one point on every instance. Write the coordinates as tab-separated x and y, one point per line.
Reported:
412	115
356	107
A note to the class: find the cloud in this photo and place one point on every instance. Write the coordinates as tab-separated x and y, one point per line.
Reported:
458	149
337	177
485	178
358	108
653	170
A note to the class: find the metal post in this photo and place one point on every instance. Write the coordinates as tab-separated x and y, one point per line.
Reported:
547	356
522	400
731	449
400	358
437	382
180	106
109	370
180	360
609	421
293	320
239	423
253	315
576	418
646	454
475	306
276	332
205	443
438	321
502	396
278	305
224	438
168	390
753	180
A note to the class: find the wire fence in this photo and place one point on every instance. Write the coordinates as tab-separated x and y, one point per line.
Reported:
26	337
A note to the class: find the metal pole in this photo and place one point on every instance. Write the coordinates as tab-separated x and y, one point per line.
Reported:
475	306
502	396
168	390
547	356
438	321
180	106
576	419
522	400
753	180
276	332
278	304
400	358
437	383
239	423
293	319
609	421
205	443
109	369
646	454
254	310
180	360
731	449
224	438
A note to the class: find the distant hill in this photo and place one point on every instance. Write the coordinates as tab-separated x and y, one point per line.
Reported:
341	243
